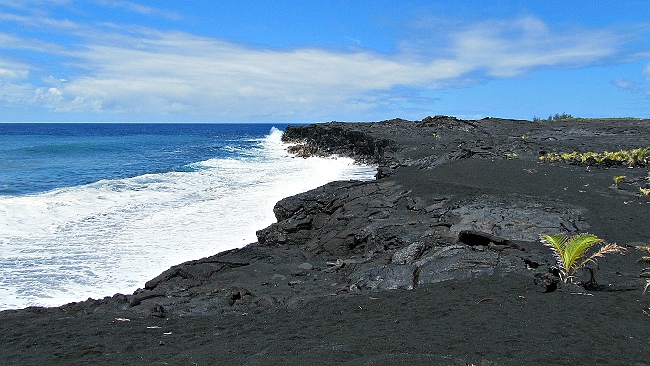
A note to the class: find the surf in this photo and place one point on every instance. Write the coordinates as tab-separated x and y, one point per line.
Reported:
111	236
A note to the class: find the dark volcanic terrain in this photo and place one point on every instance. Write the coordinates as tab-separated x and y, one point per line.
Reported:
437	262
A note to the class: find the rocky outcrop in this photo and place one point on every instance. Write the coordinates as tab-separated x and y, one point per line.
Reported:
338	138
343	238
413	227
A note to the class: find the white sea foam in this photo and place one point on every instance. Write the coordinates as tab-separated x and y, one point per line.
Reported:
112	236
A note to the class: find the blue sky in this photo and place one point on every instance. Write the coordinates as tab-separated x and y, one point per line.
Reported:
311	61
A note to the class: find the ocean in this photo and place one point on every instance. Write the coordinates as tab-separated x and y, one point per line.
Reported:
90	210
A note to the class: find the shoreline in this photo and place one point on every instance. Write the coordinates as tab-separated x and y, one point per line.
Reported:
111	236
446	239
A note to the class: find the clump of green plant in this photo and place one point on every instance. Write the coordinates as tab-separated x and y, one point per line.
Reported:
618	179
644	192
633	157
571	253
550	157
572	156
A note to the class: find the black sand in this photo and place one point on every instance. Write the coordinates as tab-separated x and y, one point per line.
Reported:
264	305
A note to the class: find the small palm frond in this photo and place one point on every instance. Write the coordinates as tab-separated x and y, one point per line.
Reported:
558	244
569	251
609	248
576	249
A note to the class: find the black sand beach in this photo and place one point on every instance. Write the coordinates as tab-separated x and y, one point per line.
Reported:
438	262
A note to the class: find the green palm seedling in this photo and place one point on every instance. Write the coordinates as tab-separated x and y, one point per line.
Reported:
588	155
618	179
639	156
571	253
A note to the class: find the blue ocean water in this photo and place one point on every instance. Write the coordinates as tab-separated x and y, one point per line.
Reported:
90	210
40	157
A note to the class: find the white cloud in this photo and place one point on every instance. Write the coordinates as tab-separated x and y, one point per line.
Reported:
50	98
43	7
179	72
639	86
140	9
13	89
11	70
40	22
13	74
140	70
507	48
625	84
11	42
16	94
31	4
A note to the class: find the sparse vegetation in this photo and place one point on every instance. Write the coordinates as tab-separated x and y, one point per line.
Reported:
568	117
556	117
633	157
571	253
618	179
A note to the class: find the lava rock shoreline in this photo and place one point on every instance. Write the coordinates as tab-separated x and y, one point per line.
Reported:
455	203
